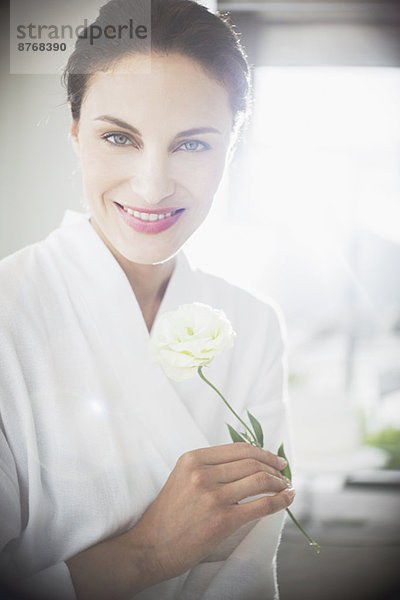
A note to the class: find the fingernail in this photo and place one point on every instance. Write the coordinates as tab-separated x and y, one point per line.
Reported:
290	493
282	462
286	480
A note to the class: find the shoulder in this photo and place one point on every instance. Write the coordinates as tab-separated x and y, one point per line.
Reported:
29	276
16	279
17	260
26	278
248	312
25	266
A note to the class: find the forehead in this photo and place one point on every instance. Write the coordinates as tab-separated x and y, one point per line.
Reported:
164	86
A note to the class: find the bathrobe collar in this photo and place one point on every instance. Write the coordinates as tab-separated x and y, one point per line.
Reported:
107	301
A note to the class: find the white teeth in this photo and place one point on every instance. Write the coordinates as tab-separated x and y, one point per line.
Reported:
148	216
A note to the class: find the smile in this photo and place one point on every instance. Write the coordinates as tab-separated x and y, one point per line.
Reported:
149	222
146	216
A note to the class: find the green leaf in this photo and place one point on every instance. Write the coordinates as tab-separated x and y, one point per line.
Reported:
286	471
236	437
257	429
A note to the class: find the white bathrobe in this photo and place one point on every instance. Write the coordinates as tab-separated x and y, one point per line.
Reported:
90	429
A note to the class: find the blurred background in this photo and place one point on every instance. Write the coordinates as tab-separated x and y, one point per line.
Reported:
309	215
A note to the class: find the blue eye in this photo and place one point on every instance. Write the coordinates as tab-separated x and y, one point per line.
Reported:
194	146
118	139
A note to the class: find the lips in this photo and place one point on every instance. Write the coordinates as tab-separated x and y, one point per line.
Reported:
146	221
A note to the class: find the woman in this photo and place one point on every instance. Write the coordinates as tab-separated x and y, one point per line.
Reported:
116	483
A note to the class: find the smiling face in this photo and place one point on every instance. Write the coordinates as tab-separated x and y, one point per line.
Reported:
153	148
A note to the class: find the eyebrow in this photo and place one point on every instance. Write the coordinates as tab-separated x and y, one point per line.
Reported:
125	125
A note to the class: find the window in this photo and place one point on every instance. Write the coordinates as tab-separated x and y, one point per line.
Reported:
312	205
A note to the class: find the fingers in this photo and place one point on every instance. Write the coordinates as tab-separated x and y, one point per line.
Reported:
232	471
259	483
232	452
267	505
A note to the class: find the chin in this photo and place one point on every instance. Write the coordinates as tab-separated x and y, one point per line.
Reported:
155	257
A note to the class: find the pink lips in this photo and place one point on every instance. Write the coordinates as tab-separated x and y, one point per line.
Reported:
150	226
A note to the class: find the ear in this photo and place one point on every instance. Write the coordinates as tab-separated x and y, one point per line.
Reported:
74	135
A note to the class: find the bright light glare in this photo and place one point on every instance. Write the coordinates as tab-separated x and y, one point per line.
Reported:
310	215
324	151
320	161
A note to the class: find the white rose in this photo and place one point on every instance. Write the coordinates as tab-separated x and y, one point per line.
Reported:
189	337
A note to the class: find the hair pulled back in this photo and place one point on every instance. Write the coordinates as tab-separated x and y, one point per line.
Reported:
177	26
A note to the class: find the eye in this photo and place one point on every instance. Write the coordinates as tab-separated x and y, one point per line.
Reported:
117	139
194	146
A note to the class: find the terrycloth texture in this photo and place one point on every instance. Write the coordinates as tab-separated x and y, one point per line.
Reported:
90	429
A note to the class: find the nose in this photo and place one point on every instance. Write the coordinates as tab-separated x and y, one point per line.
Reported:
152	180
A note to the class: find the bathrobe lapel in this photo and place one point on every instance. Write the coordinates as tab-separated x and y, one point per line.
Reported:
109	306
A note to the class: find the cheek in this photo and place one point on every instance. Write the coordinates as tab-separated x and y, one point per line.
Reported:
100	175
202	179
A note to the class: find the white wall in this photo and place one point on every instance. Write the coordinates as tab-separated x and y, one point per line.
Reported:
39	175
37	163
211	4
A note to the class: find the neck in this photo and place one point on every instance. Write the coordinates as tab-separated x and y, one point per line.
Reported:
148	282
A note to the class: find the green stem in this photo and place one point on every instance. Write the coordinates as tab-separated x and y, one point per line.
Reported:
200	372
295	521
310	541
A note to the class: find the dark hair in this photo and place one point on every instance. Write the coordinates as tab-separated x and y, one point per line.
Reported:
177	26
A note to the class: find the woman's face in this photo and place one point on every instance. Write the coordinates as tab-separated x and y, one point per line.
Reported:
153	149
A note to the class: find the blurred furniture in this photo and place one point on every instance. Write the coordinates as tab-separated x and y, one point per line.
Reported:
356	521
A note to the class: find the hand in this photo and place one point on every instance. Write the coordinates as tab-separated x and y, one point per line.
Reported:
198	507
